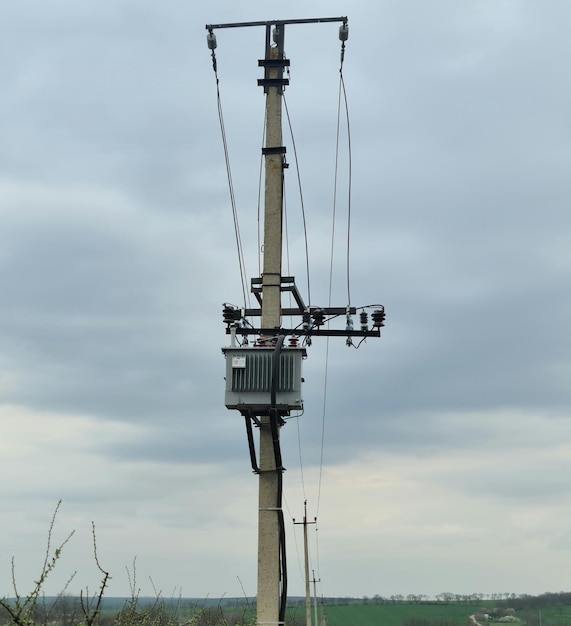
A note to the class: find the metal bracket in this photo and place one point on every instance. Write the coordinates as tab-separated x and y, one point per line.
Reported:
287	284
301	332
273	63
273	82
274	150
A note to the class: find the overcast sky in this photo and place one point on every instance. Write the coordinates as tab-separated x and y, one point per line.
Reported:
446	457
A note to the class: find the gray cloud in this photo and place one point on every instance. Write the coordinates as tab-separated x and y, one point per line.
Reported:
117	251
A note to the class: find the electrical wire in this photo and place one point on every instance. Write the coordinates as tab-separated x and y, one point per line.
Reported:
287	254
297	553
342	87
329	296
231	186
306	241
275	426
300	197
260	198
323	420
300	459
317	551
275	419
342	92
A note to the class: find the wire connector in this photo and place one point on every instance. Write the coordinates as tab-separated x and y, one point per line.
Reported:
343	36
211	43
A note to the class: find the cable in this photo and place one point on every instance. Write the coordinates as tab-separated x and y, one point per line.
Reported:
287	251
260	198
331	257
300	460
323	417
230	185
300	197
274	425
317	550
251	446
342	91
342	84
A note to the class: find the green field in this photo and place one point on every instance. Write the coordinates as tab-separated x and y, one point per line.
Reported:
397	614
371	614
341	612
391	614
559	615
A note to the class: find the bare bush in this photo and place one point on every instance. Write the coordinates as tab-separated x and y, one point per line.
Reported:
33	610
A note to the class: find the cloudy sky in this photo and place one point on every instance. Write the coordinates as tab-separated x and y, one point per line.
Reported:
447	443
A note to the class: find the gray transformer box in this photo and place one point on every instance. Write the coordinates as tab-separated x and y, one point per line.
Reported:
249	379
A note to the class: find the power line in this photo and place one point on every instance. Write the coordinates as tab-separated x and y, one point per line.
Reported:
350	175
300	197
260	201
229	177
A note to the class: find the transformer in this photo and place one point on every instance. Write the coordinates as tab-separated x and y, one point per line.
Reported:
249	379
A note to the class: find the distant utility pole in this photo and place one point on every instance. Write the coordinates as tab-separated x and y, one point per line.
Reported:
315	596
263	381
306	562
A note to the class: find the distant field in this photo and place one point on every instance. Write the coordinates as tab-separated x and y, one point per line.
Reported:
396	614
552	615
352	613
391	614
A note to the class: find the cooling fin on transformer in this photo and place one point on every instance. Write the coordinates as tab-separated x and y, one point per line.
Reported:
249	379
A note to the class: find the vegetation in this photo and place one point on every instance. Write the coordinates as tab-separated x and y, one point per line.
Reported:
402	614
32	608
446	609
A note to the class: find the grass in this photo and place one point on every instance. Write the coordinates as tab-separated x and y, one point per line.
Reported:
391	614
371	614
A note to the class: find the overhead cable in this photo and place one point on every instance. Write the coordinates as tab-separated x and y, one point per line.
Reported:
211	41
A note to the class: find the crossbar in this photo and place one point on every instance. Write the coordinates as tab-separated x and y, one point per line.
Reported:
315	20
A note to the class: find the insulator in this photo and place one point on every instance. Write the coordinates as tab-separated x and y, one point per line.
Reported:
378	318
349	319
276	35
344	32
211	40
364	320
318	317
230	314
293	341
306	320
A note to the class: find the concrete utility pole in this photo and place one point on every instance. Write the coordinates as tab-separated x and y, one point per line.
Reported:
306	562
268	522
315	596
257	384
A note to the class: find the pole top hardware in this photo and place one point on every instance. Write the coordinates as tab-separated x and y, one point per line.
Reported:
274	150
313	317
316	20
273	62
273	82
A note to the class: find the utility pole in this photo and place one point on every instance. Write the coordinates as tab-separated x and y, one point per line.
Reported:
263	381
315	596
306	562
268	607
